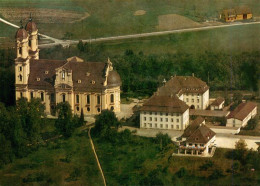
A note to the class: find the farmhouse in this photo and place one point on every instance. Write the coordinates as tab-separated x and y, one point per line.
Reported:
236	14
164	112
217	104
87	86
197	139
190	89
242	114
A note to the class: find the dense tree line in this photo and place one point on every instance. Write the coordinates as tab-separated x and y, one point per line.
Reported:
142	74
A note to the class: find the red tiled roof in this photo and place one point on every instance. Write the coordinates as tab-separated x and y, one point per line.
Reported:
197	132
164	104
243	10
242	111
218	101
183	84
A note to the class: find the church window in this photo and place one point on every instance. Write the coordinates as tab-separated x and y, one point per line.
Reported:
52	97
20	77
63	97
88	99
20	50
31	95
42	96
112	98
20	68
77	98
21	94
88	109
77	108
98	109
112	108
30	43
98	99
63	75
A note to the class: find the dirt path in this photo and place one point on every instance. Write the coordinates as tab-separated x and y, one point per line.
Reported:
93	148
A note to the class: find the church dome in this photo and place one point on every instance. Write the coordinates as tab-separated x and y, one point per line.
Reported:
21	34
31	27
113	79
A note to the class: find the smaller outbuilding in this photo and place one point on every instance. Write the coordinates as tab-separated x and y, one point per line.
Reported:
218	104
243	13
197	139
242	114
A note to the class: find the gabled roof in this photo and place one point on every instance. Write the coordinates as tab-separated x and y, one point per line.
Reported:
90	74
243	10
218	101
242	111
164	104
197	132
183	84
229	13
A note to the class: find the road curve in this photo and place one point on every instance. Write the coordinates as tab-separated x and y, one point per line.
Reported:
93	148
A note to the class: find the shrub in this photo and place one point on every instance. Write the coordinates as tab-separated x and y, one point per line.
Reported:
216	174
182	172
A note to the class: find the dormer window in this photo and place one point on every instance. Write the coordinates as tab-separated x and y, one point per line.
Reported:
38	79
87	74
93	82
46	72
79	81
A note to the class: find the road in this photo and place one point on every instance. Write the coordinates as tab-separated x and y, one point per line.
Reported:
131	36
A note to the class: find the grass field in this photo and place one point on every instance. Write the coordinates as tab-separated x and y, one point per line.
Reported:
115	17
59	162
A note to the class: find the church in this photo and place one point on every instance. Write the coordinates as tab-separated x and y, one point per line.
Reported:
87	86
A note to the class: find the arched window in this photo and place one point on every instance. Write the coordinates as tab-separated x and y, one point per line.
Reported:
88	109
63	75
98	99
112	98
20	68
63	97
77	98
88	99
98	109
30	43
20	77
31	95
42	96
20	50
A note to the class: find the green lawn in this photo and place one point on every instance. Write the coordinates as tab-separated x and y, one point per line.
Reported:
115	17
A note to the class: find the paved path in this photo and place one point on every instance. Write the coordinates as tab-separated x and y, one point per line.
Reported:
93	148
68	42
222	140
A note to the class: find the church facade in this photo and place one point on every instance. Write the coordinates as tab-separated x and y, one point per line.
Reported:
88	86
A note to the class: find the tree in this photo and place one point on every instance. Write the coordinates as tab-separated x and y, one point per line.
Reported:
64	124
251	124
163	140
81	119
216	174
237	97
106	124
240	151
80	46
30	114
182	172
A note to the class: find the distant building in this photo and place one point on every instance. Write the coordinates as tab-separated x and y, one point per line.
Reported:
87	86
236	14
218	104
164	112
190	89
197	139
242	114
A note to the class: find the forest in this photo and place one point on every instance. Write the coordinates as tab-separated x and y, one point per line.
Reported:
141	74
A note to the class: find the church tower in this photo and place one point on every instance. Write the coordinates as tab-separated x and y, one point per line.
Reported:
32	30
22	64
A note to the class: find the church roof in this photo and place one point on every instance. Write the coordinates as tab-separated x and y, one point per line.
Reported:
21	34
90	74
31	27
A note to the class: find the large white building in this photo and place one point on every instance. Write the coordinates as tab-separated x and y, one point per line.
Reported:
190	89
242	114
164	112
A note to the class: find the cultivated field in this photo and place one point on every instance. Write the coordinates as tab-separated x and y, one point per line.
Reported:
86	19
